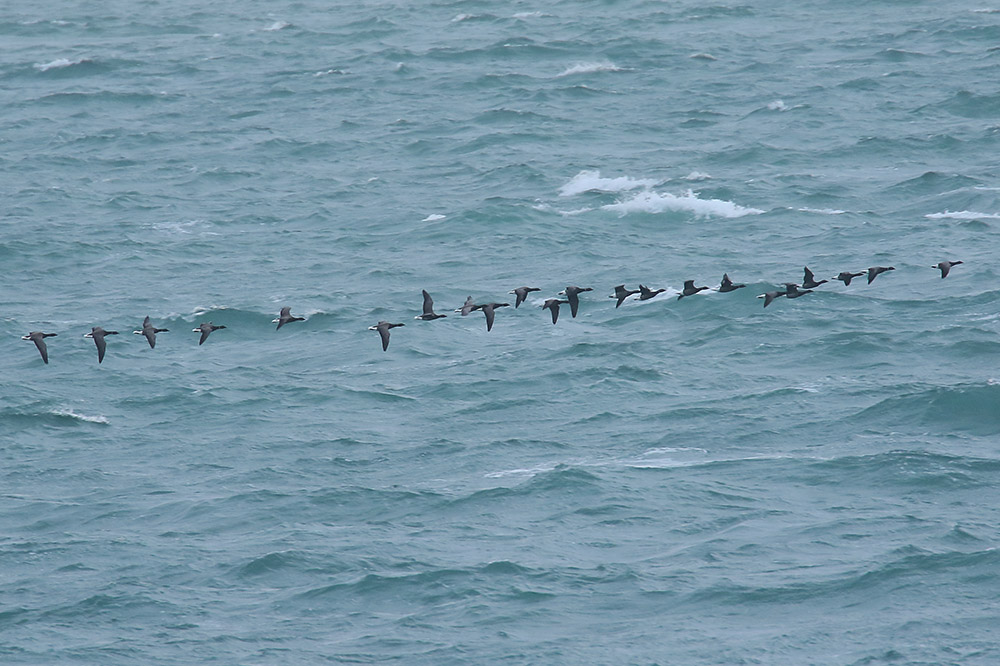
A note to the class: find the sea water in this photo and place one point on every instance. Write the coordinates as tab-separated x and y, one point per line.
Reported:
695	481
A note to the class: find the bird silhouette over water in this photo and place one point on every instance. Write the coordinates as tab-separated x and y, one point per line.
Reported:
847	276
645	293
383	330
489	310
727	284
553	305
573	296
468	307
150	332
769	296
875	271
206	329
945	267
98	333
809	280
39	339
521	293
689	289
285	316
621	293
792	290
429	314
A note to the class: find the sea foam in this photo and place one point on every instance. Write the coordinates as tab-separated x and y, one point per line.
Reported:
963	215
82	417
653	202
590	68
592	181
60	63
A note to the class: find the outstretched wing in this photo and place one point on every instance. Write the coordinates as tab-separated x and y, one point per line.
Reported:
42	349
101	347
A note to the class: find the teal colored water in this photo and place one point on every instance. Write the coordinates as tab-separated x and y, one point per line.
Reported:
696	481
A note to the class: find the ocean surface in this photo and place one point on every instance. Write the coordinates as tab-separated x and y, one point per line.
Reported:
696	481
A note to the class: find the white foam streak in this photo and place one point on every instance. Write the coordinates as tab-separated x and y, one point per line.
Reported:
822	211
277	25
592	181
433	217
527	471
963	215
59	63
652	202
590	68
81	417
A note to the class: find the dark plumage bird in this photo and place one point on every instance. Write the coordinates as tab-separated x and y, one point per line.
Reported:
522	293
809	280
792	290
206	329
429	314
39	339
645	293
469	306
553	305
98	333
875	271
488	309
847	276
621	293
573	296
383	330
771	295
689	289
727	284
285	316
150	332
945	267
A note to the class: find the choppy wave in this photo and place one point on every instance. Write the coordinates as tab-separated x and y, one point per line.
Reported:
589	68
948	409
689	202
61	63
761	483
592	181
82	417
963	215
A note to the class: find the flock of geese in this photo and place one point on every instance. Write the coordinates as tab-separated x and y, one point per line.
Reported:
572	294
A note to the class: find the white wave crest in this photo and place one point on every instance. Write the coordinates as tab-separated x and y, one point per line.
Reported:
822	211
433	217
963	215
277	25
652	202
81	417
697	175
591	181
59	63
590	68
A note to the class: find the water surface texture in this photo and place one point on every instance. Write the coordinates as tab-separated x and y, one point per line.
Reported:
696	481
